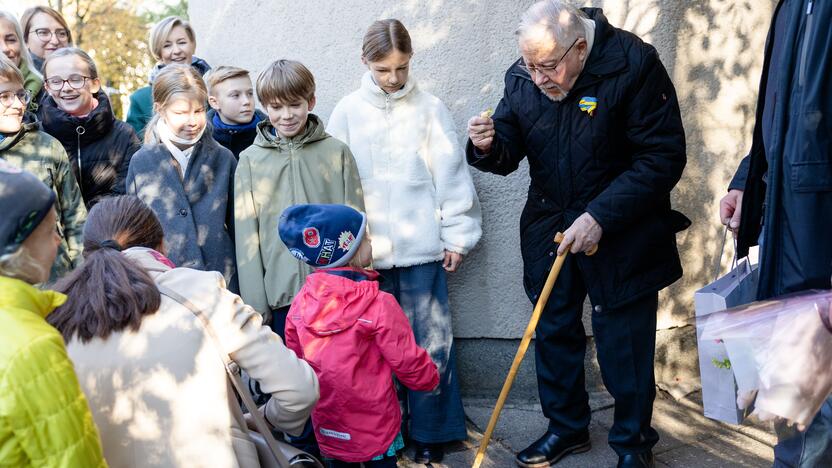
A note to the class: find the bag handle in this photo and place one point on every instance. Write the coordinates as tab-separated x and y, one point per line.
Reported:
233	371
734	259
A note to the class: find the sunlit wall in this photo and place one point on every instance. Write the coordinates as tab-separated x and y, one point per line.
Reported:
712	48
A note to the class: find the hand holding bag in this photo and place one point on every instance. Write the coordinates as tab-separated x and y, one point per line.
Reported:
271	452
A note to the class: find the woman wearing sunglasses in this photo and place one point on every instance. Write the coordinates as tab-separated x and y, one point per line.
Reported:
45	31
24	146
78	113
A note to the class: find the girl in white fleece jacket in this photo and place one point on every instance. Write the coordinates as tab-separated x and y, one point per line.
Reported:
422	210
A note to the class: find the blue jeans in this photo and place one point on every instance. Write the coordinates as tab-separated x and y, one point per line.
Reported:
809	449
422	291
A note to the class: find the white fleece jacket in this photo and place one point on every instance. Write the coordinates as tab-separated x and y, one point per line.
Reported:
418	192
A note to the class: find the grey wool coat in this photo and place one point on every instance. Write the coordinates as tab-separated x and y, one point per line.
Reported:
196	213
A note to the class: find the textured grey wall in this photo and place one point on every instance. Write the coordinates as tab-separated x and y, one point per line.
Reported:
712	49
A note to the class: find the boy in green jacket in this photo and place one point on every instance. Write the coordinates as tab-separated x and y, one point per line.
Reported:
292	161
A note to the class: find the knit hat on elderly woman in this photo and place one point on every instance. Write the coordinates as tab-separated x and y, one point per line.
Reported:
24	201
322	236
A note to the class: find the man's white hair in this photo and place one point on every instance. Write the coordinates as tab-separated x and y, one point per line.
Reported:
550	20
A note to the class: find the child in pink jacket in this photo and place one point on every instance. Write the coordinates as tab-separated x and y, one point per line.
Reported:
354	336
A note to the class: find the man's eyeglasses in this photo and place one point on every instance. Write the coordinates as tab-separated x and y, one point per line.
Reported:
56	83
549	68
7	98
45	34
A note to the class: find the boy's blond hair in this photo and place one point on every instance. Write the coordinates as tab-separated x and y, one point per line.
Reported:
161	30
285	81
223	73
8	71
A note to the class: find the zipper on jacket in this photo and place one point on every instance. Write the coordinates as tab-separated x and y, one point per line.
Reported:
295	182
804	49
387	160
79	130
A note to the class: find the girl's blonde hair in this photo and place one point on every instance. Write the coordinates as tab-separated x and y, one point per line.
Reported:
174	81
25	57
383	37
161	30
67	51
26	21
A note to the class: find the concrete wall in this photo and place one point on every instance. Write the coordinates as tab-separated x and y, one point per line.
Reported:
712	49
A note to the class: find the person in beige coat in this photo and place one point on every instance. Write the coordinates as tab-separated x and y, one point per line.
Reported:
153	376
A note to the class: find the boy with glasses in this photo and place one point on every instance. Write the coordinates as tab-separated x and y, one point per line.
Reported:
24	146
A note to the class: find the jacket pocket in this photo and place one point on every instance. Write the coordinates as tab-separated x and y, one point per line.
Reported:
811	176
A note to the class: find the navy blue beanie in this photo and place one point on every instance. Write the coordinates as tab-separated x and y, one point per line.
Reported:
323	236
24	201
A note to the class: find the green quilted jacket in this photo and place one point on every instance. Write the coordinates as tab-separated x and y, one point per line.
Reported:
37	152
44	417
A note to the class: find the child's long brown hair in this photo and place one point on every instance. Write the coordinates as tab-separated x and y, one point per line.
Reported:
109	292
383	37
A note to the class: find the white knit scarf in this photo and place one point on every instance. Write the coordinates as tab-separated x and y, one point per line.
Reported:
170	140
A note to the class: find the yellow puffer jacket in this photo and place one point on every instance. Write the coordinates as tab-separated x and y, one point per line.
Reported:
44	417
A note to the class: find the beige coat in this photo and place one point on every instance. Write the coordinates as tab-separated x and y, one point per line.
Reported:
160	396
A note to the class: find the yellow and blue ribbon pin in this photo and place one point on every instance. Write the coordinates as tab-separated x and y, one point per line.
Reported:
588	104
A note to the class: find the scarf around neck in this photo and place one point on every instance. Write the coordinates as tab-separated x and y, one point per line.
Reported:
170	140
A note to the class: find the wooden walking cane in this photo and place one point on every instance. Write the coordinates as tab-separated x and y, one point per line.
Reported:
524	346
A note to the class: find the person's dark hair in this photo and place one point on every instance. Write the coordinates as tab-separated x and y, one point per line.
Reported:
383	37
109	292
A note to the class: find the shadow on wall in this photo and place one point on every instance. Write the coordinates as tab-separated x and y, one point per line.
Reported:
712	49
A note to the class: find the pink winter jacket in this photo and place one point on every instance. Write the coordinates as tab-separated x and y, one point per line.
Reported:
355	337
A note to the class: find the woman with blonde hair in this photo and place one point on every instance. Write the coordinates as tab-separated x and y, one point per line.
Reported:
14	48
172	41
44	417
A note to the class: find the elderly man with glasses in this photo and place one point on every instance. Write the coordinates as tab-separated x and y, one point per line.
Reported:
593	109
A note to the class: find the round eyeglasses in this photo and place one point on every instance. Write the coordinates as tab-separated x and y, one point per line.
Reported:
75	81
7	98
45	35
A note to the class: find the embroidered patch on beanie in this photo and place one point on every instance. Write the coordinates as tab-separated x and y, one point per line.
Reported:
323	236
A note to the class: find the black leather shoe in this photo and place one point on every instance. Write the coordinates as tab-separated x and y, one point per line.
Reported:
550	448
638	460
427	453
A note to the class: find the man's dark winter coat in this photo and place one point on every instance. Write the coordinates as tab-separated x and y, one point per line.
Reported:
788	185
618	163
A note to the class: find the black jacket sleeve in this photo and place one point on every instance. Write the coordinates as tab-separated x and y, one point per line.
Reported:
741	176
507	148
656	142
131	146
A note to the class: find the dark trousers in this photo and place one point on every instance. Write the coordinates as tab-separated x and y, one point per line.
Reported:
278	321
386	462
625	340
422	292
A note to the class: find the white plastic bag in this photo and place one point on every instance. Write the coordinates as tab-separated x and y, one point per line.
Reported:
782	349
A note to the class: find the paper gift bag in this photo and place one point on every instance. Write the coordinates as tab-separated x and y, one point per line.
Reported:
719	387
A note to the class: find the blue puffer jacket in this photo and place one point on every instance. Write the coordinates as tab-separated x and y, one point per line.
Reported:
619	163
